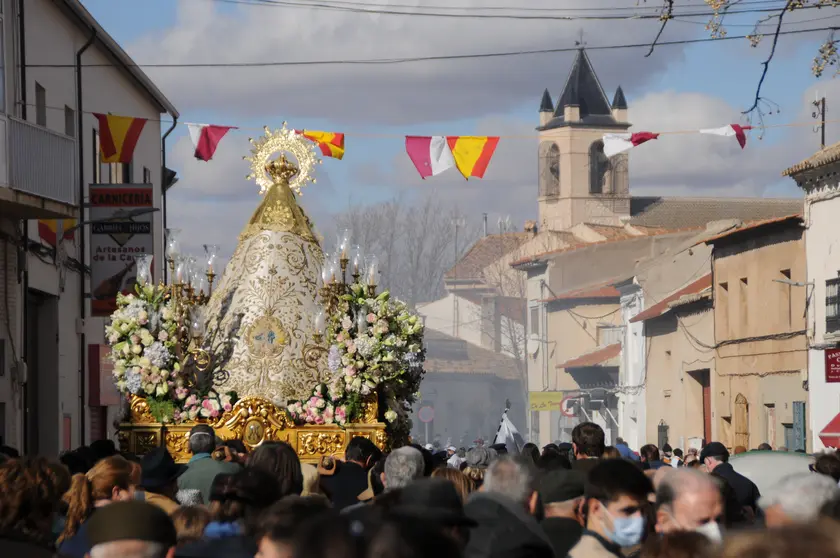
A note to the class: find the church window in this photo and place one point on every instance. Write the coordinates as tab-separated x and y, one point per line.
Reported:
619	177
549	169
599	164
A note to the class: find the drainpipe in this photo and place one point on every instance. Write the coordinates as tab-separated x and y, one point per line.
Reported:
22	53
82	246
163	186
23	274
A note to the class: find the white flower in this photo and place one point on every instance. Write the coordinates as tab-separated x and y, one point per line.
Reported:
390	415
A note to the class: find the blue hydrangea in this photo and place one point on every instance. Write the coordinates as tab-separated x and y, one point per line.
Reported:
133	382
157	354
334	358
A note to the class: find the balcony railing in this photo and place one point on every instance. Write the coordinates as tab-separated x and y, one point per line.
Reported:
41	162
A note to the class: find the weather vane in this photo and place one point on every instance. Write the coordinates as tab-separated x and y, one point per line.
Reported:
580	41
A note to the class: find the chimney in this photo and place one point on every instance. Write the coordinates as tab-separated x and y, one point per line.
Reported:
491	323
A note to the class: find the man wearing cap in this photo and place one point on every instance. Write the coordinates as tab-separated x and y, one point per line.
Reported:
159	480
715	457
202	468
131	530
435	501
561	493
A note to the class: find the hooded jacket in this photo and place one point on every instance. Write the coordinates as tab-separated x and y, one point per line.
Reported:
505	529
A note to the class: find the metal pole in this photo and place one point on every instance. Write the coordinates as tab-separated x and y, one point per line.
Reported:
82	245
427	431
822	124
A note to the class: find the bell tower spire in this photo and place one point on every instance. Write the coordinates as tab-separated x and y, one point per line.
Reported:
578	183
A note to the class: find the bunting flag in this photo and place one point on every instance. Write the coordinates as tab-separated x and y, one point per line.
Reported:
619	143
731	130
331	143
206	138
118	137
431	155
48	230
472	154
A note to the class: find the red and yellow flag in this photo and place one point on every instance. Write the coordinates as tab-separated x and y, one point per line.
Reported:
48	229
331	143
472	154
118	137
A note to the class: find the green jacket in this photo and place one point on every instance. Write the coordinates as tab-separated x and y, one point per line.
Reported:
201	471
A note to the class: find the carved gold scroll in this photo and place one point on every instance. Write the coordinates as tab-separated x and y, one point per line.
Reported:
254	421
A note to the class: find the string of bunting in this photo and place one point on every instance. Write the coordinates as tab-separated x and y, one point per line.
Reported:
431	155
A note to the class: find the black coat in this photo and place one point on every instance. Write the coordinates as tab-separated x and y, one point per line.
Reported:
746	492
239	546
343	488
504	530
12	547
564	534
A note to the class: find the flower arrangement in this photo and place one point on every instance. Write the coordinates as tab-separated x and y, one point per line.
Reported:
376	348
143	335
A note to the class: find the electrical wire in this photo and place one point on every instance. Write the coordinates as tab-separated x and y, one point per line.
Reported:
437	58
391	11
529	137
391	5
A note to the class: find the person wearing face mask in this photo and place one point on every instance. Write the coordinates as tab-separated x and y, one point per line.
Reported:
689	500
616	491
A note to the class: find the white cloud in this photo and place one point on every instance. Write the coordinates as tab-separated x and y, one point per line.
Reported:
398	93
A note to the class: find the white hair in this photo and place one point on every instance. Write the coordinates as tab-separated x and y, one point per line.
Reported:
801	495
511	477
403	466
129	549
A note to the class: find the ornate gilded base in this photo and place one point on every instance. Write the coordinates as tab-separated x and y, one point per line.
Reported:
254	421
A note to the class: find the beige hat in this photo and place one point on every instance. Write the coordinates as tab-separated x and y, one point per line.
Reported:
368	494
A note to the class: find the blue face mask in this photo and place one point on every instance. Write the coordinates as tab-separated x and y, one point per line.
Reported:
626	531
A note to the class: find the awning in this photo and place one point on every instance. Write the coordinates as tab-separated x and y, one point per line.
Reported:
602	356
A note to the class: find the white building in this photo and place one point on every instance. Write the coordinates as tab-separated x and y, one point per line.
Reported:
818	177
51	395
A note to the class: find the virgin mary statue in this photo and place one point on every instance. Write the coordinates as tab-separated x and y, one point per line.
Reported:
264	304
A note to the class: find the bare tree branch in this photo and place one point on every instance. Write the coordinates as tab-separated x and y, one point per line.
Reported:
666	16
766	63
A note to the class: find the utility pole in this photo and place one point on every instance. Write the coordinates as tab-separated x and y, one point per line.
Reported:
819	113
459	223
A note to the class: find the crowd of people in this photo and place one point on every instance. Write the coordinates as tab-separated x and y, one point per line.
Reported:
578	500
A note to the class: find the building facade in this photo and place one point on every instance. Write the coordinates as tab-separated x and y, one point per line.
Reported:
66	67
817	176
592	235
760	383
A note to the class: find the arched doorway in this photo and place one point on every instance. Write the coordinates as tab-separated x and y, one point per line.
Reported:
741	422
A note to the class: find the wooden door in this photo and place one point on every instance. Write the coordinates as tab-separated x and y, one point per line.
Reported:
705	382
741	422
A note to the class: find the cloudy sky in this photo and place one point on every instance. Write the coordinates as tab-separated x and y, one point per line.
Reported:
687	86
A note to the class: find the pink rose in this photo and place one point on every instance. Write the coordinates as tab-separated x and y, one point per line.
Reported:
371	318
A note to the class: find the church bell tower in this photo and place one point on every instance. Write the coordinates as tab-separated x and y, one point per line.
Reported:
578	183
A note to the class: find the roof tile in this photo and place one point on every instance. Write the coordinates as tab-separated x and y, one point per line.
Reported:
484	252
601	355
662	306
753	225
449	355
